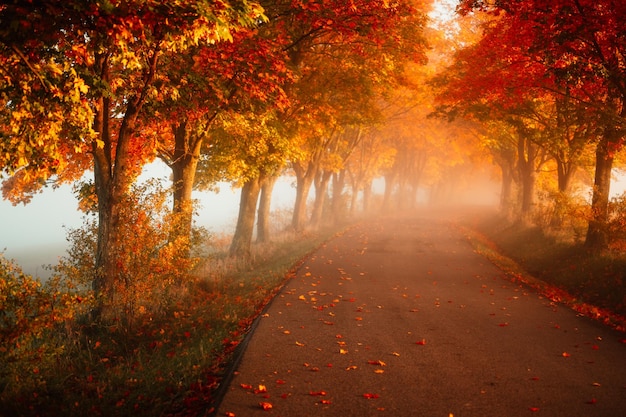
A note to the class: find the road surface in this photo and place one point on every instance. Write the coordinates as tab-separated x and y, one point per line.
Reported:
402	318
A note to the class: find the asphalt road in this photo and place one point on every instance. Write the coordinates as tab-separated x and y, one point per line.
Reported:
402	318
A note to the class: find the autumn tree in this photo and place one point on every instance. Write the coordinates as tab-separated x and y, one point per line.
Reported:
246	72
347	53
574	48
95	65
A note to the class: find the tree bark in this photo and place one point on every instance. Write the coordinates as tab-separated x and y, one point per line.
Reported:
367	196
304	180
390	182
321	188
263	222
337	204
597	238
242	239
527	154
113	175
184	164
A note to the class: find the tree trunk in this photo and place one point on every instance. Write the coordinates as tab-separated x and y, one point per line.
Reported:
565	172
526	164
367	196
263	223
304	180
337	203
506	190
113	175
242	239
390	182
321	187
184	164
597	238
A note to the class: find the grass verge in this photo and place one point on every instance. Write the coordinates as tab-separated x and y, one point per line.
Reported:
165	364
592	284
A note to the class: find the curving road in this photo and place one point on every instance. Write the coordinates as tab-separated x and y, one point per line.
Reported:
401	318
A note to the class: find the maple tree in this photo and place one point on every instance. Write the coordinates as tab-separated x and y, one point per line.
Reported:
210	79
358	50
571	48
97	63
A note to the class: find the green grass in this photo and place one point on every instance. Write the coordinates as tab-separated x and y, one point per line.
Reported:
591	282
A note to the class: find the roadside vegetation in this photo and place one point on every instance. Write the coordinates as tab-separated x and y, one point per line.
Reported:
178	323
554	260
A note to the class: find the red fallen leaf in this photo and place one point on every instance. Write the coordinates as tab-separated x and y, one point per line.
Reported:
534	409
261	389
318	393
565	355
280	381
326	402
370	396
229	414
421	342
503	324
246	386
595	347
265	406
380	363
535	378
592	401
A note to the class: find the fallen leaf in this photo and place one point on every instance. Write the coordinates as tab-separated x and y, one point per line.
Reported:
592	401
503	324
379	363
370	396
229	414
534	409
565	355
351	368
260	389
281	381
299	344
325	402
318	393
343	351
246	386
421	342
265	406
379	371
395	353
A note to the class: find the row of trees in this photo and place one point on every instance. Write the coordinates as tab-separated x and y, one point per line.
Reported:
218	90
544	83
